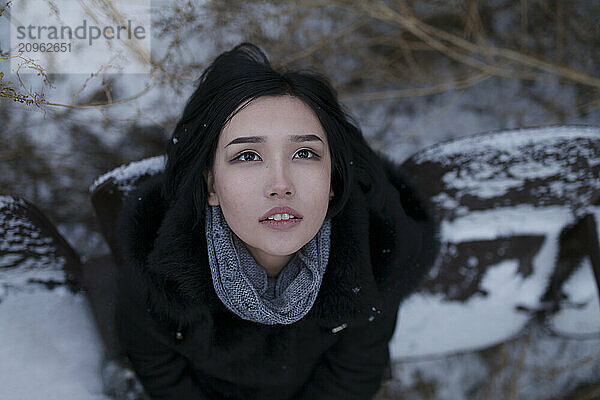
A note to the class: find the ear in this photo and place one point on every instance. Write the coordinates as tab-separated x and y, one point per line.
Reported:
213	198
331	193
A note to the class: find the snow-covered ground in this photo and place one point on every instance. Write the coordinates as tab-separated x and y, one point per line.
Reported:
50	347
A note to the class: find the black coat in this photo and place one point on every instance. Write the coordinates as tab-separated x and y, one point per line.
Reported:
185	344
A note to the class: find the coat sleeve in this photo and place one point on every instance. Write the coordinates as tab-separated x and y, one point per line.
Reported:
354	367
163	372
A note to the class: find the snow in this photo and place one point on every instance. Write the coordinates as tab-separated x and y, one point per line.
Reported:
9	201
470	183
25	254
511	141
48	337
125	174
582	319
505	221
556	162
50	348
430	325
536	366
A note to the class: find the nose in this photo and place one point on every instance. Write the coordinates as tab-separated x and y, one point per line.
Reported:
279	183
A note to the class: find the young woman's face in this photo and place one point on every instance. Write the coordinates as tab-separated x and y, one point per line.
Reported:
273	153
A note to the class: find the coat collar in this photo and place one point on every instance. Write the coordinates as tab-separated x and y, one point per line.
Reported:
365	261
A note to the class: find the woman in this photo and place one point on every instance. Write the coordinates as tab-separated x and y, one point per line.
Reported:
269	259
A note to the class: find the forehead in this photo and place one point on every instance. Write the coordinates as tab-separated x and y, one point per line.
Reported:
273	116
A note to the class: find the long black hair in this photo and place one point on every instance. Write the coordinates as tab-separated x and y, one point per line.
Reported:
235	78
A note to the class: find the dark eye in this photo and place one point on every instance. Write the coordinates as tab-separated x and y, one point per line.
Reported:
306	153
248	156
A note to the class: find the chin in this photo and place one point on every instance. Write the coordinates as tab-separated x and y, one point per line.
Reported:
278	243
280	250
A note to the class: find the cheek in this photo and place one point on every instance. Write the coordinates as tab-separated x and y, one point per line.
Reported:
235	204
322	181
235	191
231	192
316	188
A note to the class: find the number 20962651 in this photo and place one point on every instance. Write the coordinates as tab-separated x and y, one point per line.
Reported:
45	47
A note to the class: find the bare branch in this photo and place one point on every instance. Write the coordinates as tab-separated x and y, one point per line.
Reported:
109	103
414	92
5	7
321	43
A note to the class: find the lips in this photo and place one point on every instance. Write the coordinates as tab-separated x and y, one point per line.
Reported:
280	210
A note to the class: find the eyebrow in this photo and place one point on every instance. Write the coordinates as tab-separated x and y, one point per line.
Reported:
262	139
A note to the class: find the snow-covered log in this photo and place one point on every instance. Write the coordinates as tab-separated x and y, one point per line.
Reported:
33	254
503	199
49	341
519	219
108	190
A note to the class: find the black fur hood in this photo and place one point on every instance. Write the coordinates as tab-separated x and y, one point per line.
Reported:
380	250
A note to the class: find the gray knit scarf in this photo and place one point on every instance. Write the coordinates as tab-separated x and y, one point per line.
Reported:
243	285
